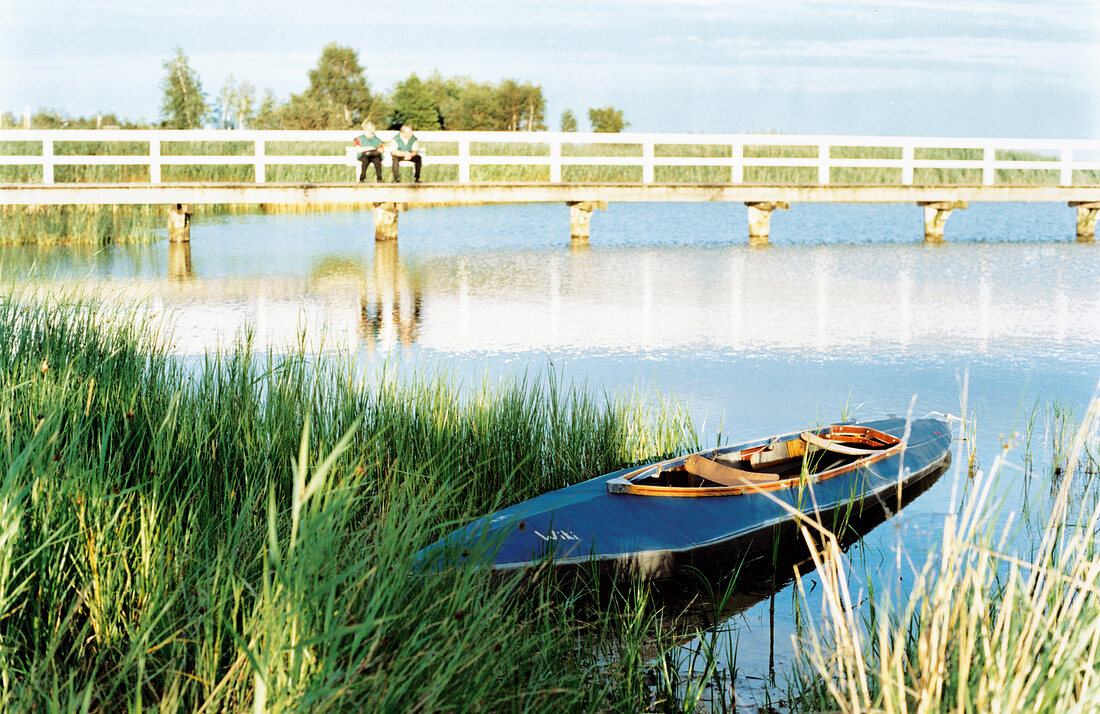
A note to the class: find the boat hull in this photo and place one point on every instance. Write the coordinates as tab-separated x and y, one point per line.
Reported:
586	527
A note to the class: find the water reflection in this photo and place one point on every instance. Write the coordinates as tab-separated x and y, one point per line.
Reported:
390	304
1006	300
705	607
179	262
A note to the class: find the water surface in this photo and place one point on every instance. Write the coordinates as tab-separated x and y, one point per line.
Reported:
846	313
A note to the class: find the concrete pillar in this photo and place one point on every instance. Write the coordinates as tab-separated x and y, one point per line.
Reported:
1086	220
760	220
179	223
580	217
179	262
935	216
385	219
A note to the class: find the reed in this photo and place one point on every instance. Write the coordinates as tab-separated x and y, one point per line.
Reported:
984	628
238	534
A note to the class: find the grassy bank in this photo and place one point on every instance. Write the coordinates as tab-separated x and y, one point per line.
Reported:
986	627
237	535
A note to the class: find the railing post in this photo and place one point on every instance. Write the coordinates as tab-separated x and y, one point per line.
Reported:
647	162
555	161
908	154
823	163
737	168
47	161
464	160
261	163
1066	178
989	153
154	161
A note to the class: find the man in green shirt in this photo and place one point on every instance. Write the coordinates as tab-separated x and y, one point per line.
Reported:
371	152
406	148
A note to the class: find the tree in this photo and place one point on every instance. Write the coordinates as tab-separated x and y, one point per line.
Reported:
568	120
607	120
476	109
268	116
184	104
236	105
534	107
338	96
415	103
513	104
520	106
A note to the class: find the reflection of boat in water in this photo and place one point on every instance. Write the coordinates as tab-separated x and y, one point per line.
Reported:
712	614
711	510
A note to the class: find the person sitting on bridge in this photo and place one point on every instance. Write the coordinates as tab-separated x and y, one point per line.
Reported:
371	151
406	148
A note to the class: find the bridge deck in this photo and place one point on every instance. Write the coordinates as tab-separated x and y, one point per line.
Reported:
482	193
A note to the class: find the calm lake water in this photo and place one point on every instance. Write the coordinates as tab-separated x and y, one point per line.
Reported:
846	312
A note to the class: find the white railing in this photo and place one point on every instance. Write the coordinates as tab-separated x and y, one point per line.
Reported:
555	150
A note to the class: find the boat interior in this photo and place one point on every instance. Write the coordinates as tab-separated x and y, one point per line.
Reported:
812	453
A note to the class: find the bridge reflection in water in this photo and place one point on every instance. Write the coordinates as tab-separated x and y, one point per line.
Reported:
978	298
390	304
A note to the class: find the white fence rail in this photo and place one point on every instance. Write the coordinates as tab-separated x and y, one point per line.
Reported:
555	150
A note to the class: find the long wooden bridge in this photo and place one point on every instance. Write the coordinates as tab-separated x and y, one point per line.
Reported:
582	170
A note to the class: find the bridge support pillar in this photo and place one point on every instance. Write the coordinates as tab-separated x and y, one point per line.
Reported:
760	220
1086	220
935	216
580	218
179	223
385	219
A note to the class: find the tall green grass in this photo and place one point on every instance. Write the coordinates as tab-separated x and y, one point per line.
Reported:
237	534
986	628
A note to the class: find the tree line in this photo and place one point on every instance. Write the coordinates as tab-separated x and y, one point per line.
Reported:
339	97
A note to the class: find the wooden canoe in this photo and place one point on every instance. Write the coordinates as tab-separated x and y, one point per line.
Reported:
718	507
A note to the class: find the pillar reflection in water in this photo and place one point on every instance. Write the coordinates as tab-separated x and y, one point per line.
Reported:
179	262
390	304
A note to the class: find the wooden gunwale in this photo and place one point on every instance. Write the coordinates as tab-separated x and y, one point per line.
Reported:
861	434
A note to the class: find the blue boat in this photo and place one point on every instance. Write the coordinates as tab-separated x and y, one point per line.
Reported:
714	509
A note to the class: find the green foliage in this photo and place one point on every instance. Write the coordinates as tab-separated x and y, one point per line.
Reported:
267	115
607	120
415	103
461	104
521	106
338	96
238	534
184	104
474	108
568	120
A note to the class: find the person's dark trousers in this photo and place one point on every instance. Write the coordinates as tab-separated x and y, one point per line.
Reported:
370	157
416	162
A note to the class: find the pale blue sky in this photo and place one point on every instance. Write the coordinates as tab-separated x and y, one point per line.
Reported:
922	67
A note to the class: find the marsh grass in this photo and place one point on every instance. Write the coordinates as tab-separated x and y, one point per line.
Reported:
238	534
984	629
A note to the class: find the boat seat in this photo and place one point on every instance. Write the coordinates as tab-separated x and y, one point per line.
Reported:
836	447
724	475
